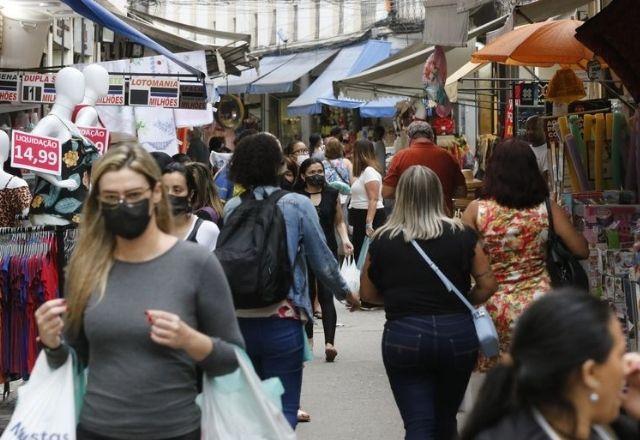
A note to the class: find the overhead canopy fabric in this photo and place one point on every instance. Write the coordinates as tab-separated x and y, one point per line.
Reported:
98	14
451	86
380	108
403	76
349	61
608	32
539	44
281	79
235	85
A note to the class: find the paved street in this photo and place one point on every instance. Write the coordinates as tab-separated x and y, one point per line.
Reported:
351	398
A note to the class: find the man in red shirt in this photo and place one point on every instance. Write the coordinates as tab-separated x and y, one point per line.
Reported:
423	151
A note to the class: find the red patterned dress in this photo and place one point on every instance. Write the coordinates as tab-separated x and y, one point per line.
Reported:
515	241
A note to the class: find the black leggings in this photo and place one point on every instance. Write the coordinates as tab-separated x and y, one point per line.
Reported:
83	434
358	219
328	307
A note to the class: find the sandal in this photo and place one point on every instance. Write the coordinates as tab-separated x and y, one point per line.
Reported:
303	417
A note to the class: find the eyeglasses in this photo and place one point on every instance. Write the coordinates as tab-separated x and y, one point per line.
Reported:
301	151
110	201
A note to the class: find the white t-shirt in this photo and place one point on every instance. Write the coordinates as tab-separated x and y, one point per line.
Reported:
207	234
542	156
359	199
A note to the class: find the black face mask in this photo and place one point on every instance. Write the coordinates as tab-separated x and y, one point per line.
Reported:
179	204
286	185
128	221
316	180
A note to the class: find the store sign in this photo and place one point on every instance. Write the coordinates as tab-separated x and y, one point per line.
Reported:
36	153
594	70
532	94
98	136
9	86
116	92
193	96
154	91
38	87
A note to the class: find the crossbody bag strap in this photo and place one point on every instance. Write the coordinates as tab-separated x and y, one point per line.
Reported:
447	283
552	231
337	170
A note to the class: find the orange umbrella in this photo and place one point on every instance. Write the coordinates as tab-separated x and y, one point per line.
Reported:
539	44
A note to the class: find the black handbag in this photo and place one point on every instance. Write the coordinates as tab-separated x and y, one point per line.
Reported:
564	268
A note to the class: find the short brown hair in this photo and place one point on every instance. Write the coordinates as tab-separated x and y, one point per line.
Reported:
333	149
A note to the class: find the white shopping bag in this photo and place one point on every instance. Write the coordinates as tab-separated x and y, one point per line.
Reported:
46	404
239	406
351	274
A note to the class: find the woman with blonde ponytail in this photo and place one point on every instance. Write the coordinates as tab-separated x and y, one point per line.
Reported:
142	309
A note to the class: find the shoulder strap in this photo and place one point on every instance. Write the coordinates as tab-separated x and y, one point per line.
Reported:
8	182
552	231
447	283
337	170
277	195
194	231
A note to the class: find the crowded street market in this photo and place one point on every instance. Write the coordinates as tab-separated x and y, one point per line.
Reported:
320	219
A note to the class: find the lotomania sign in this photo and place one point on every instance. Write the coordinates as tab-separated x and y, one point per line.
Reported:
154	91
19	432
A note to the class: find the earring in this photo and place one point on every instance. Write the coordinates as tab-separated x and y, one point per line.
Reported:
594	397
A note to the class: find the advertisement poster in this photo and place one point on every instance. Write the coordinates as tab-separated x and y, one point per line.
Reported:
154	91
38	87
9	87
98	136
36	153
116	92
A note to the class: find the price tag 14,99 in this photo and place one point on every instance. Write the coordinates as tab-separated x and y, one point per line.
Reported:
41	154
98	136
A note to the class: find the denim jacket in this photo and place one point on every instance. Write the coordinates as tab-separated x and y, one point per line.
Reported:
305	242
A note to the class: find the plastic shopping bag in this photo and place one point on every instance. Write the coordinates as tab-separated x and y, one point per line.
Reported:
351	274
239	406
46	405
364	250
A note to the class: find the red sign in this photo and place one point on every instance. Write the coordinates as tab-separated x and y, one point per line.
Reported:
37	153
98	135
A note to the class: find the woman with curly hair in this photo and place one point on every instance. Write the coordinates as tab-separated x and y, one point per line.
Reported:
274	334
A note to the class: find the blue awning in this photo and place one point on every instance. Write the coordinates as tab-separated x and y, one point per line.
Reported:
350	61
381	108
235	85
281	79
98	14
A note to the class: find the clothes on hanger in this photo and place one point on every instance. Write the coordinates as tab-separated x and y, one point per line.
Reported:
31	263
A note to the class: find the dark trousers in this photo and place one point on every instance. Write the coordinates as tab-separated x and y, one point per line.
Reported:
83	434
358	219
429	360
276	349
328	307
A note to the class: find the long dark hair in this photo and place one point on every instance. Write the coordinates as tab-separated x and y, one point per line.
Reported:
554	337
304	166
364	156
513	178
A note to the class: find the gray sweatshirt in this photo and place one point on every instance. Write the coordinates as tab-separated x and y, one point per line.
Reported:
137	388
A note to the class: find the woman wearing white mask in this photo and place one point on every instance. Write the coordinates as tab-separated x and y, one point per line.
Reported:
298	151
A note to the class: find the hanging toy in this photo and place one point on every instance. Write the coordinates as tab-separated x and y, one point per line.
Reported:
435	78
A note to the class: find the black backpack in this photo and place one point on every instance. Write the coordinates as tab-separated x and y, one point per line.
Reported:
252	249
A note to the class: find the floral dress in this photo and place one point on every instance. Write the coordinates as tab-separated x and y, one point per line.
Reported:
78	155
515	241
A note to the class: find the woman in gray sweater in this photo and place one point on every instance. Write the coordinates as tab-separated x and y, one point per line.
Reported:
143	309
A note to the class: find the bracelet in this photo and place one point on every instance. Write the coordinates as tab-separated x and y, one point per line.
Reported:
368	226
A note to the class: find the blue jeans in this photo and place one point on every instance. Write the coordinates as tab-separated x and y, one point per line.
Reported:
429	360
276	349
